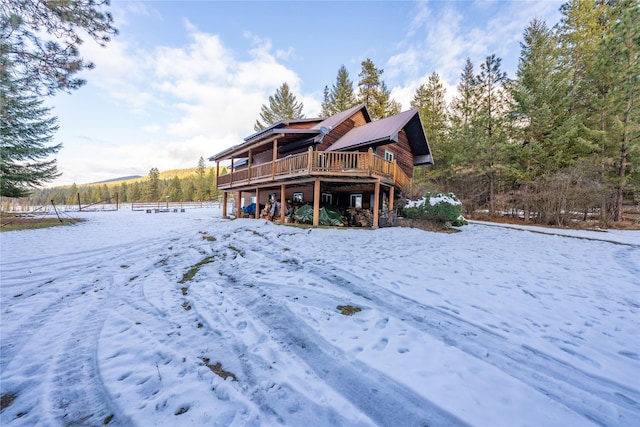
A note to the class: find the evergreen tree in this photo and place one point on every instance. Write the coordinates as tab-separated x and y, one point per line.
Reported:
51	64
282	106
341	97
174	191
431	105
135	193
72	195
624	41
26	131
325	110
201	184
490	122
373	92
152	188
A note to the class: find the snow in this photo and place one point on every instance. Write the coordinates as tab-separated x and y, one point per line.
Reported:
434	200
492	326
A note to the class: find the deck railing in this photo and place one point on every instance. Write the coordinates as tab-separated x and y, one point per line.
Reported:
310	163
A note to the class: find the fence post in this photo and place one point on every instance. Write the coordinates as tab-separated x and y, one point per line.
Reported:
79	205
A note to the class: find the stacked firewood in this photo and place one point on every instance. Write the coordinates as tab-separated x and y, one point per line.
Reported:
266	212
360	217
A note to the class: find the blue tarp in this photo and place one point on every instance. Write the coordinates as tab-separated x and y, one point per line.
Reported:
250	209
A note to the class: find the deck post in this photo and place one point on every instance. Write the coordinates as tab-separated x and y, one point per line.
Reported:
282	202
257	203
370	160
224	204
238	202
316	202
231	172
391	195
249	169
275	157
376	203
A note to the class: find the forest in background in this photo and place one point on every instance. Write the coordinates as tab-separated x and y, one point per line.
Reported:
179	185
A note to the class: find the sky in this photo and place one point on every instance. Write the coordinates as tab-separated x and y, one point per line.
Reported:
186	79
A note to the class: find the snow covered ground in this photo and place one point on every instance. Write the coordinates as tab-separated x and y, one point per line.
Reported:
186	319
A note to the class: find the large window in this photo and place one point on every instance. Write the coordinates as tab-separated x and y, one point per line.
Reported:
355	201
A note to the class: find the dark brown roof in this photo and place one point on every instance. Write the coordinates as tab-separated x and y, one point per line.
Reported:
386	130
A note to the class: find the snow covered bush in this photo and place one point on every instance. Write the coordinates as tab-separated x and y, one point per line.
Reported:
438	207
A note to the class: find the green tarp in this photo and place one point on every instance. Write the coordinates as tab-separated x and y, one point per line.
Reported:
328	215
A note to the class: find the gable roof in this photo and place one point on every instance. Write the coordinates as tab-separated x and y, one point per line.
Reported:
387	130
333	121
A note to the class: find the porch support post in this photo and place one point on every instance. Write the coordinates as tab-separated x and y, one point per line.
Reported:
282	203
238	207
376	203
257	203
275	157
316	202
249	169
392	190
231	172
224	204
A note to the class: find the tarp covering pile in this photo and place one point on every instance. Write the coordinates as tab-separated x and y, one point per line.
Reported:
328	215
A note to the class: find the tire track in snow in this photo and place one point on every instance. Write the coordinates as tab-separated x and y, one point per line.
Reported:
382	399
559	380
379	397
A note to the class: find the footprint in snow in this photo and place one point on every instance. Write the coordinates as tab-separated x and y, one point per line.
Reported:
382	323
381	344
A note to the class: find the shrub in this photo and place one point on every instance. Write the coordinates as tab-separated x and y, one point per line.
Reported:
439	207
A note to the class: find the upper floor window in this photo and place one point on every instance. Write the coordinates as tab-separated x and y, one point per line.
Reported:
388	155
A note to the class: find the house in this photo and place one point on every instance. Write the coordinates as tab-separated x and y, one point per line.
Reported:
345	160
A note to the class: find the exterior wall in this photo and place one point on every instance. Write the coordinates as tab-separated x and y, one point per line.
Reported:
336	133
401	152
342	129
264	157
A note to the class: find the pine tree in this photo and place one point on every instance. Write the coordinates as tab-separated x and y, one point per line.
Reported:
625	43
51	64
431	105
373	92
152	187
282	106
325	110
490	122
201	183
26	131
174	191
341	97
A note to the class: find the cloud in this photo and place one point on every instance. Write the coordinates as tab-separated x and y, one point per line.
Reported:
190	101
439	38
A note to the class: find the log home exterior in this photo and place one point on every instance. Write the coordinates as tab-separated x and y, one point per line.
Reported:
344	160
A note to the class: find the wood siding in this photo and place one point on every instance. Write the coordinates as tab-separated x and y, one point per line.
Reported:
401	152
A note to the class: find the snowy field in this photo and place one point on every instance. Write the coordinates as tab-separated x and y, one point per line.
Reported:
185	319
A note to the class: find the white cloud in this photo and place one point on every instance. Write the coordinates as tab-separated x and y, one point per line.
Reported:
193	100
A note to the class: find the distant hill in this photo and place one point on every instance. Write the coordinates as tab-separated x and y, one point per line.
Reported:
123	178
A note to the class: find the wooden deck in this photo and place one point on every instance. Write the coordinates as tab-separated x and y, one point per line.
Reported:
318	164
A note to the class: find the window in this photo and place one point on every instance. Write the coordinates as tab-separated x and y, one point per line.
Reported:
326	198
388	155
297	197
356	201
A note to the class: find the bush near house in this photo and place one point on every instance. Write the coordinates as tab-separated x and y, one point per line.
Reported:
439	207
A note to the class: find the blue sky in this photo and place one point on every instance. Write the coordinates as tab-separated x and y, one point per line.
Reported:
185	79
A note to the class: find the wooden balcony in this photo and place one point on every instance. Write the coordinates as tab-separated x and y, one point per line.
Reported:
317	164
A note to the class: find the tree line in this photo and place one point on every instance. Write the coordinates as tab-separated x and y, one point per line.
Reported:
197	184
559	140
